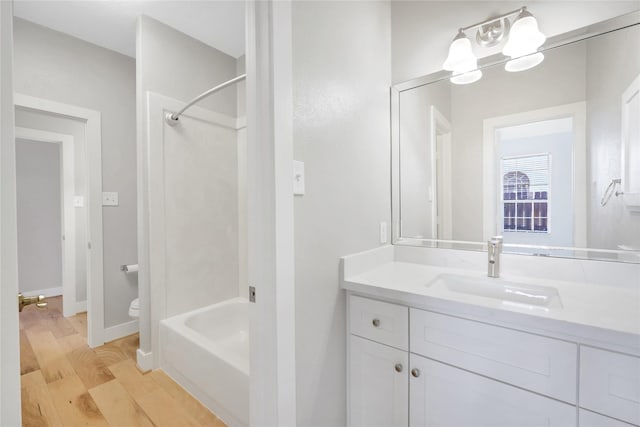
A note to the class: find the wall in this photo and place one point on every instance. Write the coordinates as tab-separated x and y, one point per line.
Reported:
342	74
415	155
39	215
560	79
54	66
613	61
423	30
177	66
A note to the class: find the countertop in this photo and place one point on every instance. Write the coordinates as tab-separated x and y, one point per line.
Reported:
604	316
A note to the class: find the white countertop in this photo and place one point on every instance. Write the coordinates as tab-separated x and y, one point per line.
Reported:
599	315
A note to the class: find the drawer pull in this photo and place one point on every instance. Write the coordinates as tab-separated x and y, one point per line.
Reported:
376	322
399	367
415	372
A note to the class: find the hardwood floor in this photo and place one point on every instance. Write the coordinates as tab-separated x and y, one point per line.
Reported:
65	383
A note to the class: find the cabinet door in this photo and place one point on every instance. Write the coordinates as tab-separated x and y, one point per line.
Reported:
378	385
591	419
441	395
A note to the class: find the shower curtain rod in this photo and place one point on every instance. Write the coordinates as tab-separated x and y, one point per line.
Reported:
172	118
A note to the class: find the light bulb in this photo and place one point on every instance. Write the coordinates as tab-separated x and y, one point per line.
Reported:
460	53
524	62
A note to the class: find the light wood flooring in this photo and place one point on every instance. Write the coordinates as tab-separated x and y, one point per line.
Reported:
66	383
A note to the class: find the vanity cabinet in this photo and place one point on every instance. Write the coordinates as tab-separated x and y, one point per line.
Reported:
413	367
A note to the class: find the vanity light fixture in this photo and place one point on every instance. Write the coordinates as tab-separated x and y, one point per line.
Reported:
523	40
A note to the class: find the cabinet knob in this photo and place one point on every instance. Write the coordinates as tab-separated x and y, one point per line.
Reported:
376	322
398	367
415	372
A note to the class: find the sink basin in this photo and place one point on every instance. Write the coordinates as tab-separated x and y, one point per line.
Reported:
500	289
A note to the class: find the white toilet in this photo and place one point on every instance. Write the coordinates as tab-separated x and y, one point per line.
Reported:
134	308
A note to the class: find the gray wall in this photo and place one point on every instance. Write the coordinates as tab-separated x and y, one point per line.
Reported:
423	30
54	66
560	79
39	215
613	61
341	73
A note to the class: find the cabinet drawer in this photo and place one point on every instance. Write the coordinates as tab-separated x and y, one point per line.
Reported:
441	395
610	384
543	365
379	321
590	419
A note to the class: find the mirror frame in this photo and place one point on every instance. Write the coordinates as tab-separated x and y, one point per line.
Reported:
611	255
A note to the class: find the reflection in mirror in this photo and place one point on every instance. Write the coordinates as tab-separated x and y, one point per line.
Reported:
548	157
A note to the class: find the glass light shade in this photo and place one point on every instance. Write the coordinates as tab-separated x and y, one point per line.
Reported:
524	62
460	53
466	78
525	37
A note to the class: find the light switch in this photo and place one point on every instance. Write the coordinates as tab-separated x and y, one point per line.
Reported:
78	202
109	198
383	232
298	178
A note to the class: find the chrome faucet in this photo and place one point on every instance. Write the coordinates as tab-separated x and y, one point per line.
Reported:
494	248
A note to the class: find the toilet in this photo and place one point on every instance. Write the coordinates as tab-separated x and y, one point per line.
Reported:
134	308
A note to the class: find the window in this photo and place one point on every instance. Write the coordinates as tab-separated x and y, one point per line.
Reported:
525	193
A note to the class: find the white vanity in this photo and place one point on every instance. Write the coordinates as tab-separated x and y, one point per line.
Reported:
433	342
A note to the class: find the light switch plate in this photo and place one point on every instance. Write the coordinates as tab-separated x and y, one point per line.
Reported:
298	178
383	232
78	202
109	198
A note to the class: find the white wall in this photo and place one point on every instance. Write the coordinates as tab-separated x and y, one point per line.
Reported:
415	155
54	66
342	74
423	30
177	66
39	215
613	61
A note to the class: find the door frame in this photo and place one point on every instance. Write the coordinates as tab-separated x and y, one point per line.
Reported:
270	218
441	127
10	413
93	170
67	193
575	110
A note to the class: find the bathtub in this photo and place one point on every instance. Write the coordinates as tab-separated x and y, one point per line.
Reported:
207	352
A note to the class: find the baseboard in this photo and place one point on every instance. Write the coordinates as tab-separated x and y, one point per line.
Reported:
49	292
81	306
119	331
145	360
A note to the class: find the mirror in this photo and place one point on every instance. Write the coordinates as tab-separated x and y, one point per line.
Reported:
549	157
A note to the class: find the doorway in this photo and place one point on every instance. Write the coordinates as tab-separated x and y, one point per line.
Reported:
531	161
46	216
80	233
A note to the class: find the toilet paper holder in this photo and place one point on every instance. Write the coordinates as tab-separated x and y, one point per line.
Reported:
129	268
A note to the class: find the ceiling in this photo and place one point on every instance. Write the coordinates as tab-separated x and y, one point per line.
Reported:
112	23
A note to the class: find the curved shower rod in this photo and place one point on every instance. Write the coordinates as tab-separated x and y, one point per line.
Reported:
173	118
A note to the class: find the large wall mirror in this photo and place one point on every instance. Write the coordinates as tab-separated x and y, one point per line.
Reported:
549	157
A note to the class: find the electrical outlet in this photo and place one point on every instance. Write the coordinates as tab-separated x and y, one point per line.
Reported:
109	198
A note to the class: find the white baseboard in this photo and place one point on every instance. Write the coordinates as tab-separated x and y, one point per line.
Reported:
121	330
81	306
49	292
145	360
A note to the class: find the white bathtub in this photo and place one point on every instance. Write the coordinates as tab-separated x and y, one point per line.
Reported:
207	352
